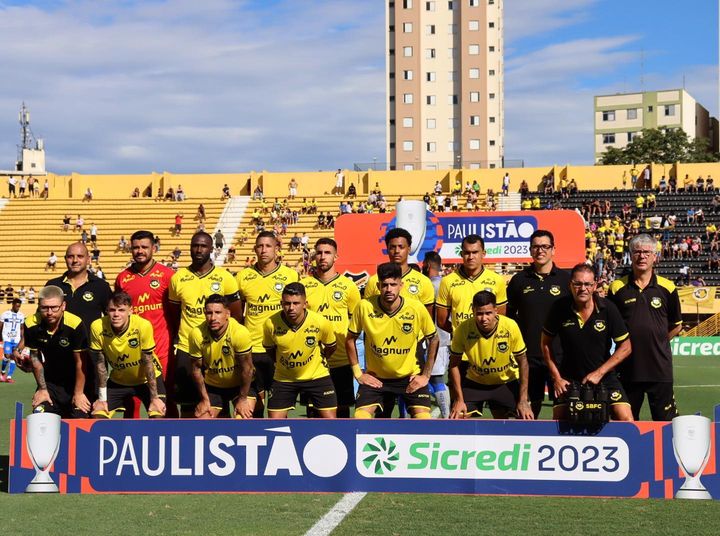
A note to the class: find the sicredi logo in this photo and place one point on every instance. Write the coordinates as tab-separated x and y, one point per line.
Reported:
493	457
221	455
695	346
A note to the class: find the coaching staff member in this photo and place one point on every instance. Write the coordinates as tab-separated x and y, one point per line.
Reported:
651	308
587	325
530	294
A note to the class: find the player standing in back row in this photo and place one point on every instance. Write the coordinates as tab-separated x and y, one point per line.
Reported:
260	288
11	324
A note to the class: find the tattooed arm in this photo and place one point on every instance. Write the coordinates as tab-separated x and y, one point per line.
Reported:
157	406
41	395
100	407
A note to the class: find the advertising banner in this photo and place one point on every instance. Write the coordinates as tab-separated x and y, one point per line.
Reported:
311	455
695	346
506	234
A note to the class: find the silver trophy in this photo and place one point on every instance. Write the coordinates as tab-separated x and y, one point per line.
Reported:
410	215
691	444
43	444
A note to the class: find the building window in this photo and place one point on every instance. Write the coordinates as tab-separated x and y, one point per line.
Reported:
392	144
408	167
392	51
608	115
474	3
452	99
407	4
392	28
608	138
407	27
650	109
407	75
407	52
632	113
430	123
407	122
407	145
474	120
392	98
452	76
431	147
492	143
430	29
453	146
491	72
430	99
453	122
491	119
630	137
670	109
474	145
474	96
474	25
474	73
450	5
451	53
473	50
392	76
452	29
491	25
408	98
491	96
429	53
430	76
429	6
491	48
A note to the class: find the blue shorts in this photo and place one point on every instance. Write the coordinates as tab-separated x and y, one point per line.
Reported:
8	347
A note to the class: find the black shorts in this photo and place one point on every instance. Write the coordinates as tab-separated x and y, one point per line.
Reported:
369	397
538	381
222	397
264	370
616	393
320	393
499	397
186	393
342	378
118	395
62	405
661	399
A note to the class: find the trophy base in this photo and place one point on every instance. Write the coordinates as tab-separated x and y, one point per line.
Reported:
42	487
697	494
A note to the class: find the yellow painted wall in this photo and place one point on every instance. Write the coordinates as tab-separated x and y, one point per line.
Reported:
392	183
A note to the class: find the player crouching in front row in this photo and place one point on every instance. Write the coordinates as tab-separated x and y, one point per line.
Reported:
393	326
222	347
300	341
126	342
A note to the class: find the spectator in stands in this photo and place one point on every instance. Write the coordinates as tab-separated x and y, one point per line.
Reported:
122	246
672	185
329	221
9	293
93	233
713	263
457	187
662	185
573	187
225	193
339	182
135	192
180	194
304	241
352	191
710	230
170	194
564	191
12	182
695	247
160	195
88	195
51	262
699	215
690	215
46	190
200	214
258	192
506	184
715	242
95	254
178	223
99	273
650	200
219	239
66	222
639	204
84	237
31	295
524	188
688	184
709	184
536	202
157	243
292	188
698	281
176	253
700	184
438	188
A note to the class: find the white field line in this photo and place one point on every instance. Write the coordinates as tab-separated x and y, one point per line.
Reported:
690	386
327	523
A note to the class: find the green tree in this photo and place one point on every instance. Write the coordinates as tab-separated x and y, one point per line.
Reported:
662	146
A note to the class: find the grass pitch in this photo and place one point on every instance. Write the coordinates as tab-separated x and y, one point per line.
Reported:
697	383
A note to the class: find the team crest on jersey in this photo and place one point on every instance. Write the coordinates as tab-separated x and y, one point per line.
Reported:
64	342
133	343
337	295
599	325
656	303
154	283
502	347
225	349
555	290
278	286
88	296
413	288
215	286
407	327
310	341
615	396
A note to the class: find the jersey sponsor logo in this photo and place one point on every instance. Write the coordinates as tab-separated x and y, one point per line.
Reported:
216	363
656	303
64	342
127	278
143	297
322	307
133	343
489	360
568	323
502	347
376	314
154	283
122	357
360	278
631	300
310	341
262	299
529	289
407	327
382	351
88	296
599	325
390	340
555	290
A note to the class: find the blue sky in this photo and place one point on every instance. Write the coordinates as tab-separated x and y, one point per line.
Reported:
232	85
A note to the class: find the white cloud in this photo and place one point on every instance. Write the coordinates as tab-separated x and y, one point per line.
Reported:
528	18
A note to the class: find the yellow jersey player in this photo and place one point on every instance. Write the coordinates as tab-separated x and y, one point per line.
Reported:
497	370
301	342
260	287
189	288
220	347
393	325
335	297
415	285
125	342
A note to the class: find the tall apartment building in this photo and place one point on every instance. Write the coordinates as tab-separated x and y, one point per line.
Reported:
444	84
620	117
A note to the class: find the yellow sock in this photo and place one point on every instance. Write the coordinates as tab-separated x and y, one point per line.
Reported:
422	415
363	414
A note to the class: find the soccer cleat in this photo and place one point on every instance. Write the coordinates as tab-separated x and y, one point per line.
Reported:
9	380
